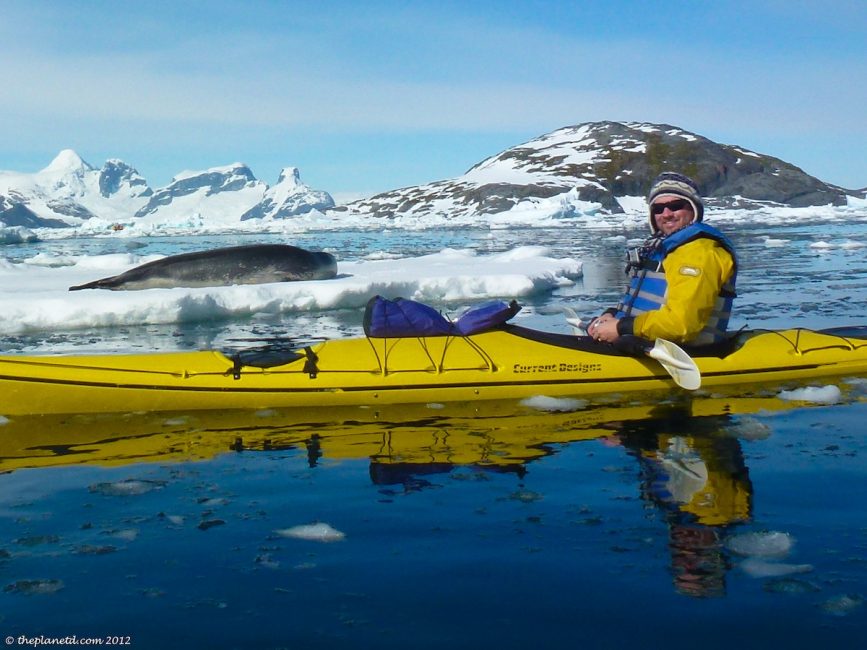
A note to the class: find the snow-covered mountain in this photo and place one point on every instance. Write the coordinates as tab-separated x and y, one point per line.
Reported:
70	192
592	168
219	194
600	163
289	197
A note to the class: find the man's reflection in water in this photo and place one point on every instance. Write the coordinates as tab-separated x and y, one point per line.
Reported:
695	474
691	469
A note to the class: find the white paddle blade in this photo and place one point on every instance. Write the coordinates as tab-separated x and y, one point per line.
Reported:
677	363
579	327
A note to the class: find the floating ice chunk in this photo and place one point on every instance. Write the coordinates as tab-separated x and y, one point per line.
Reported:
127	487
764	569
775	243
267	561
304	566
212	502
817	394
93	549
554	404
525	496
16	235
126	534
3	420
761	544
514	255
843	605
790	586
748	429
858	386
320	532
36	540
180	421
821	245
31	587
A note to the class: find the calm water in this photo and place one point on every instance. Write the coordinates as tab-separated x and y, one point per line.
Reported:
725	522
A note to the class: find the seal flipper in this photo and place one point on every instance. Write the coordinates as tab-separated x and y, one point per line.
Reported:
103	283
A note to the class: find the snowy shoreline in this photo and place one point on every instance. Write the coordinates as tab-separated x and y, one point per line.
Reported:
556	212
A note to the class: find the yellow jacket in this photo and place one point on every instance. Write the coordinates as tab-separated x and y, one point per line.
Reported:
695	274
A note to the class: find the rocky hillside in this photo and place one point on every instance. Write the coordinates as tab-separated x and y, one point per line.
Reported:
600	162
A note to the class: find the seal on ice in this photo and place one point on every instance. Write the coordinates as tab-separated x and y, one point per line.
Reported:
251	264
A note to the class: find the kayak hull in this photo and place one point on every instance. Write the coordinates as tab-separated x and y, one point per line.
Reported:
503	364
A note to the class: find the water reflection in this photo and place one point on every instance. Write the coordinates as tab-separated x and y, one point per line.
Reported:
689	467
694	472
488	434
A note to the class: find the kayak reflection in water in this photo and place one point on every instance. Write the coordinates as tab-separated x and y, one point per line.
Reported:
699	481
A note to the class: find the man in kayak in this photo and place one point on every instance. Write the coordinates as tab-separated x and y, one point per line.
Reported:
681	280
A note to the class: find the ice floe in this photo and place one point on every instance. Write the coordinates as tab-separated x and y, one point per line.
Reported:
816	394
34	587
126	487
35	293
318	532
758	568
843	605
554	404
761	544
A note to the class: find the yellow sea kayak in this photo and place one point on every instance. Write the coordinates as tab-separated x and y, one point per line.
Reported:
507	363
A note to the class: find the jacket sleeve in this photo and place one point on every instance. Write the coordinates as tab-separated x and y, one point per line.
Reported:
695	274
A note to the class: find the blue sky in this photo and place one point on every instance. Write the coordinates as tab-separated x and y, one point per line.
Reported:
367	96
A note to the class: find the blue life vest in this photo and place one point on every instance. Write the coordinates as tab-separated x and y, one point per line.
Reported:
647	285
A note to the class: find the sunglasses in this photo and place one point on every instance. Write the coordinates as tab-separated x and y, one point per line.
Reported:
674	206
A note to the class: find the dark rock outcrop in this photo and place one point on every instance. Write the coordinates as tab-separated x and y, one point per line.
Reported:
116	175
13	213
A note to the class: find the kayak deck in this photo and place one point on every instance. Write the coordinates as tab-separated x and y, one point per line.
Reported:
507	363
